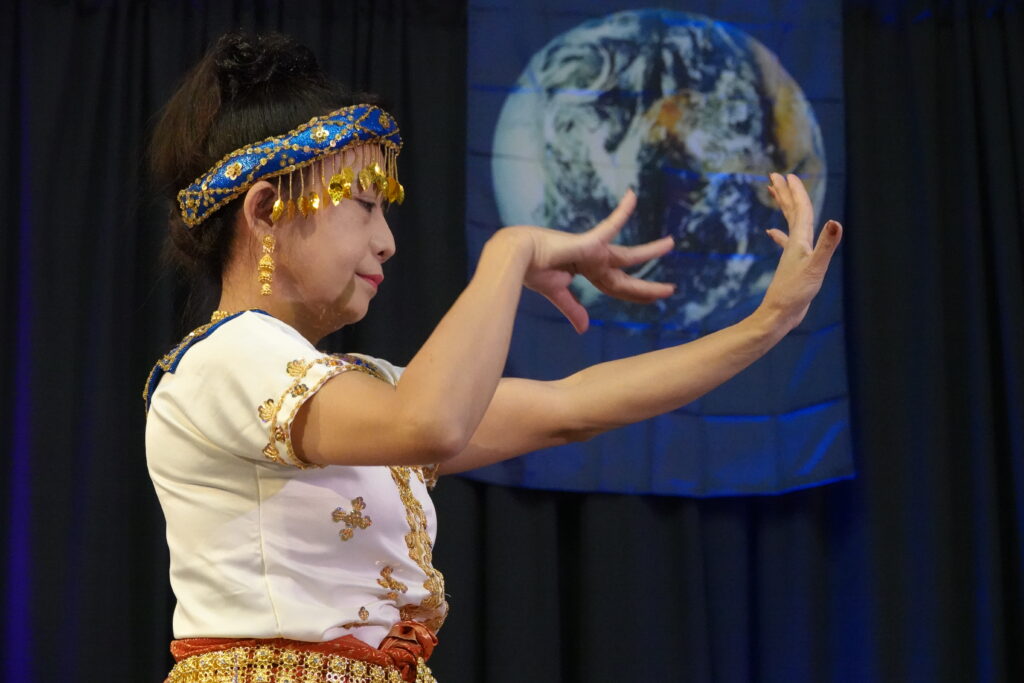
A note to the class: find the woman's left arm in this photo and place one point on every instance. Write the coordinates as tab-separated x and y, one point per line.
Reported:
527	415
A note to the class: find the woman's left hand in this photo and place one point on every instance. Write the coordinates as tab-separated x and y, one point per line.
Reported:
803	265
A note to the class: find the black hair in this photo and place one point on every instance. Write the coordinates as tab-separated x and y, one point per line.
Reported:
244	89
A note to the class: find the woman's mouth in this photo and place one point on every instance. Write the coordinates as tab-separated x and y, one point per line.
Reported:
375	280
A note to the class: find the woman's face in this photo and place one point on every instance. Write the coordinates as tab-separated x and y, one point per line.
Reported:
330	263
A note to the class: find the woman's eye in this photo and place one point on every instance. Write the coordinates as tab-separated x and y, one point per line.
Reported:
369	206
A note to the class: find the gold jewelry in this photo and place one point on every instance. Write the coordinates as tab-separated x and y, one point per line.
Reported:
302	203
290	205
219	315
265	269
309	144
278	210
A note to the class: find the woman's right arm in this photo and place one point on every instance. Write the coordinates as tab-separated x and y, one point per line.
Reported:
357	420
445	390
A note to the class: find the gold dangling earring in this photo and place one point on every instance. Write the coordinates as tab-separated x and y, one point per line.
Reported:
265	269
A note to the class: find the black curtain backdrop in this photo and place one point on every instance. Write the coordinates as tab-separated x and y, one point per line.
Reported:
911	572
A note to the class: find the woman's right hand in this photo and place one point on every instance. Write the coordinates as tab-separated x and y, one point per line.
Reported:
557	256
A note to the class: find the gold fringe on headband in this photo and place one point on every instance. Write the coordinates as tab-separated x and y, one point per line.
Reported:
339	187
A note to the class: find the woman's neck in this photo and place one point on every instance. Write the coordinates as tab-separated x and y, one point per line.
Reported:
292	315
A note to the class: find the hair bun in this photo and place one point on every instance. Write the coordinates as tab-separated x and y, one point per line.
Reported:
244	61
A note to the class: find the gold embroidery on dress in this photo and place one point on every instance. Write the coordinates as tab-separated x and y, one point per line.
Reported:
431	473
364	615
393	585
269	410
353	520
298	368
433	610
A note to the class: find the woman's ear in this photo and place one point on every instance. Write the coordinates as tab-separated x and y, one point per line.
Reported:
256	207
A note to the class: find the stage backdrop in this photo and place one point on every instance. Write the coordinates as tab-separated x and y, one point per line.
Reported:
571	103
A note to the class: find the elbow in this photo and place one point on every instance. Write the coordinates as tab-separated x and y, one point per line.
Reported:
577	430
444	444
580	434
437	440
570	415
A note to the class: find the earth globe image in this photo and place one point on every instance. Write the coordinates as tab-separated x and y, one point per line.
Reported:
690	112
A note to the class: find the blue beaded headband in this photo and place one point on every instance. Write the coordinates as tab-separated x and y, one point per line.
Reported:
311	142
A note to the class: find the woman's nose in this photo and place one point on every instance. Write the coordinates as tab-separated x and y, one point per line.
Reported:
384	245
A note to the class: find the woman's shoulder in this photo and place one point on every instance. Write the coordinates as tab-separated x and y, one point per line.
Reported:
240	338
248	343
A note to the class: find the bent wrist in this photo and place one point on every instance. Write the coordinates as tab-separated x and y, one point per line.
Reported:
508	246
770	322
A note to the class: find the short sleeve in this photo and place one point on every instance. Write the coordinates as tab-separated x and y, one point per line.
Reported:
241	386
390	370
305	377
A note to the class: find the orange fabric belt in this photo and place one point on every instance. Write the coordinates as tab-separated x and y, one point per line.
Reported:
401	657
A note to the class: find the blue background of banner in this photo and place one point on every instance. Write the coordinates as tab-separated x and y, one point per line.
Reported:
780	425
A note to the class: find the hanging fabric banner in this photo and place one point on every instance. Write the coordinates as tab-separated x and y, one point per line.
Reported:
571	102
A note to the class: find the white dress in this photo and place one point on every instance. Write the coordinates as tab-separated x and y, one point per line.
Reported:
263	545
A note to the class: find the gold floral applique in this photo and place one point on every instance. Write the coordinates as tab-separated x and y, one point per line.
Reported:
364	616
391	584
298	368
353	520
266	410
319	134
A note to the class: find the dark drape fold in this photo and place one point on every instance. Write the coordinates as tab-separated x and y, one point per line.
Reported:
936	168
912	572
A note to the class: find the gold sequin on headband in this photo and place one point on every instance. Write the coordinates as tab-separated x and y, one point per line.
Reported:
318	140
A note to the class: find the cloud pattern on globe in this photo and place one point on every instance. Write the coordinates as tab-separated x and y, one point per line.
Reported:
690	112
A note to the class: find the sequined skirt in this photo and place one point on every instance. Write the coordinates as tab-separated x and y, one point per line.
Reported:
400	659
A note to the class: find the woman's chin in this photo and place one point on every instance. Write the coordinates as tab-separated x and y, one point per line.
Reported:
350	313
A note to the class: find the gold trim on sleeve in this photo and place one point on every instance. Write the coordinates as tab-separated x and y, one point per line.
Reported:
269	411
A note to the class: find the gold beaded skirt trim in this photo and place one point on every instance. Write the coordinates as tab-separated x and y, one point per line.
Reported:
262	664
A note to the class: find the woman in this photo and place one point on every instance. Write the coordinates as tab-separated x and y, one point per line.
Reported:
295	483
